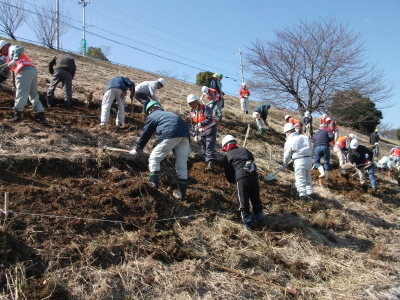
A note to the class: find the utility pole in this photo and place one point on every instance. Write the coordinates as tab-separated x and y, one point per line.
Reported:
58	23
241	66
84	4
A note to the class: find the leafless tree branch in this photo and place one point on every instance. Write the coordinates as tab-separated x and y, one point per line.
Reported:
12	16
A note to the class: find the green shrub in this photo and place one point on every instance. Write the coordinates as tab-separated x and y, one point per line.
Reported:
203	78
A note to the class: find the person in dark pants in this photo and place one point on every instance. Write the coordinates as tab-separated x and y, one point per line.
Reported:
203	125
321	140
362	159
62	68
240	168
374	141
146	91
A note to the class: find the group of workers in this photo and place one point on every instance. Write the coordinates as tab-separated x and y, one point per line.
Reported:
173	133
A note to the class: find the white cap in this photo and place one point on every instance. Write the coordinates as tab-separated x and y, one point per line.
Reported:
307	114
324	115
161	81
287	117
3	43
354	144
328	119
288	127
228	138
204	89
191	98
243	83
256	115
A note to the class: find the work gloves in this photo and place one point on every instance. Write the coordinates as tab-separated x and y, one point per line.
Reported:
135	152
285	165
12	64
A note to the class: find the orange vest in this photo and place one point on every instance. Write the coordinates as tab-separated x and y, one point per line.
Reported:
244	92
197	117
210	91
22	61
293	121
341	141
396	152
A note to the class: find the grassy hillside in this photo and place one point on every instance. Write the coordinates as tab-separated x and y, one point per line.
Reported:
87	225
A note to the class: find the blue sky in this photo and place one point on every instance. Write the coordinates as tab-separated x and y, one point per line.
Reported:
207	34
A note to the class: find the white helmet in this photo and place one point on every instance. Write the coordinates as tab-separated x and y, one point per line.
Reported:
324	115
204	89
256	115
243	83
328	119
191	98
307	114
352	136
161	81
288	127
287	117
228	138
3	43
354	144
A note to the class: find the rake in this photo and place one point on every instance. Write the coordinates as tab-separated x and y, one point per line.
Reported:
271	176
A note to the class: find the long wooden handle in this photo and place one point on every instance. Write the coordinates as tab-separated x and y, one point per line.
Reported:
115	149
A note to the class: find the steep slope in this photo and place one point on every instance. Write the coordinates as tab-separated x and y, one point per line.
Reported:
87	225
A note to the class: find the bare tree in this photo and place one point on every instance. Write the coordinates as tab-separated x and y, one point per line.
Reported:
12	16
306	65
45	25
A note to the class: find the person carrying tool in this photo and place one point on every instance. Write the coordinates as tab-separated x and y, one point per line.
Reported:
321	140
25	80
239	168
173	136
244	94
374	141
298	148
362	159
147	91
216	83
62	69
307	120
203	125
260	114
214	99
116	90
296	123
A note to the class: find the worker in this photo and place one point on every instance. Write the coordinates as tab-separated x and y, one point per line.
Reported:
116	90
260	115
216	84
214	100
332	127
385	163
295	122
239	168
362	159
341	147
4	72
25	80
307	120
395	154
203	125
244	94
62	69
173	136
147	91
374	141
321	140
298	148
323	118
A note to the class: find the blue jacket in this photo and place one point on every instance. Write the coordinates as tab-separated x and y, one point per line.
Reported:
119	82
263	111
322	138
165	124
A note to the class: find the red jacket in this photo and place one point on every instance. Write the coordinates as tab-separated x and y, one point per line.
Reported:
244	93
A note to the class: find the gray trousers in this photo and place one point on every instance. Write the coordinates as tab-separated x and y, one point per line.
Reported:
27	88
208	143
108	98
65	78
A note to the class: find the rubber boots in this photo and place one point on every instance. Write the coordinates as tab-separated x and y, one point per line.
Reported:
321	171
260	218
154	178
182	187
326	177
18	115
40	117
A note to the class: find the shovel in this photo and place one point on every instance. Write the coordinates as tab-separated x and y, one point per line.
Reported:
115	149
271	176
